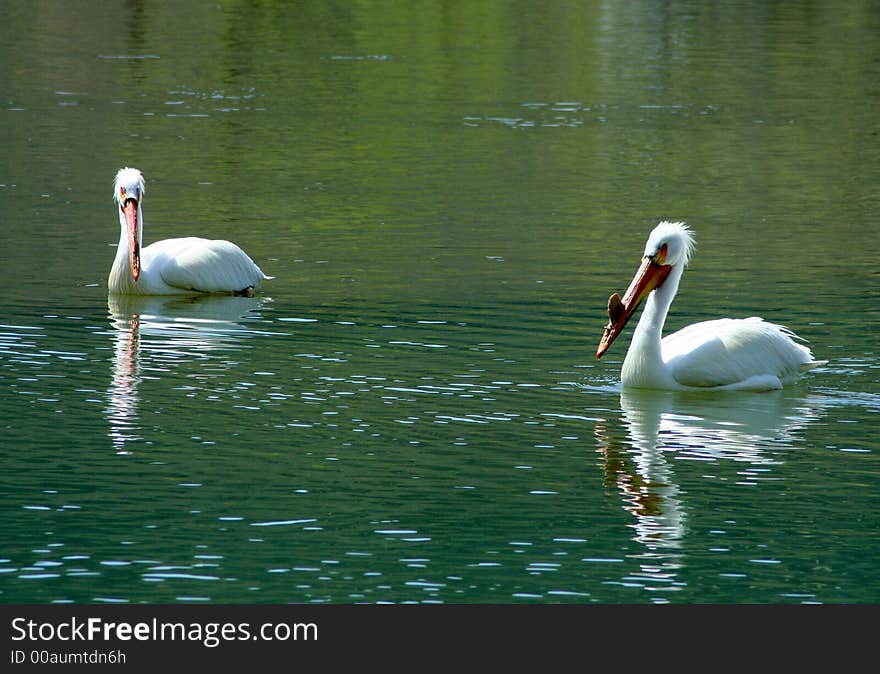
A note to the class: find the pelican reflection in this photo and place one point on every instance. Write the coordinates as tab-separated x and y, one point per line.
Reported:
661	426
152	333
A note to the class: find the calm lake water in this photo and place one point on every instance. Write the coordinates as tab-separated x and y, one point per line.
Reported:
446	194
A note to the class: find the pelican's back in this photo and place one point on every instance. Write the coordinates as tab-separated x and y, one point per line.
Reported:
205	265
728	352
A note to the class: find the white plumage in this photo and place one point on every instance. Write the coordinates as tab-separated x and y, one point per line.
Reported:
172	266
730	354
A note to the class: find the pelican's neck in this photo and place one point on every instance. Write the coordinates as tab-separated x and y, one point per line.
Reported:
645	355
120	280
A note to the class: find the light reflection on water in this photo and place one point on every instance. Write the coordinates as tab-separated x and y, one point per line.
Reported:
424	457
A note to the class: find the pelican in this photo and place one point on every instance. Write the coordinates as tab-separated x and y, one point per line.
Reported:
173	266
725	354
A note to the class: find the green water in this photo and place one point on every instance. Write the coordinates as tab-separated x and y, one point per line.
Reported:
446	193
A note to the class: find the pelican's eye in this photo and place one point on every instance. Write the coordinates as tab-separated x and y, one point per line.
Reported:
660	255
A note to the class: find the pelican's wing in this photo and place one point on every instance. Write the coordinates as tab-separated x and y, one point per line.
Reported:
206	265
728	351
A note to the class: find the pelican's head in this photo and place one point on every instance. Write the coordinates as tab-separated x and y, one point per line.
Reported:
128	191
671	243
669	246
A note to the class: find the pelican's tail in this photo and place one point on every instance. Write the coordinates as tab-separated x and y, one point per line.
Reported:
806	367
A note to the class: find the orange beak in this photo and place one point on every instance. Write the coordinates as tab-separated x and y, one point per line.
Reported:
649	276
130	210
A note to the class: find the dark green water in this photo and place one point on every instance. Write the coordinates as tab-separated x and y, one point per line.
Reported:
446	194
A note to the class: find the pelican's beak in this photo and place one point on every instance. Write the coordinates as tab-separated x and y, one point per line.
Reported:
650	275
132	223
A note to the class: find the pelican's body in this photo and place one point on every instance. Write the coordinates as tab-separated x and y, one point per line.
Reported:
172	266
729	354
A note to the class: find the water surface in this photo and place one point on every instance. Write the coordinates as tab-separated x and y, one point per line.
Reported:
411	410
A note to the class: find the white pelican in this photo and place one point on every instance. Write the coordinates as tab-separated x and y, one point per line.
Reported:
173	266
729	354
